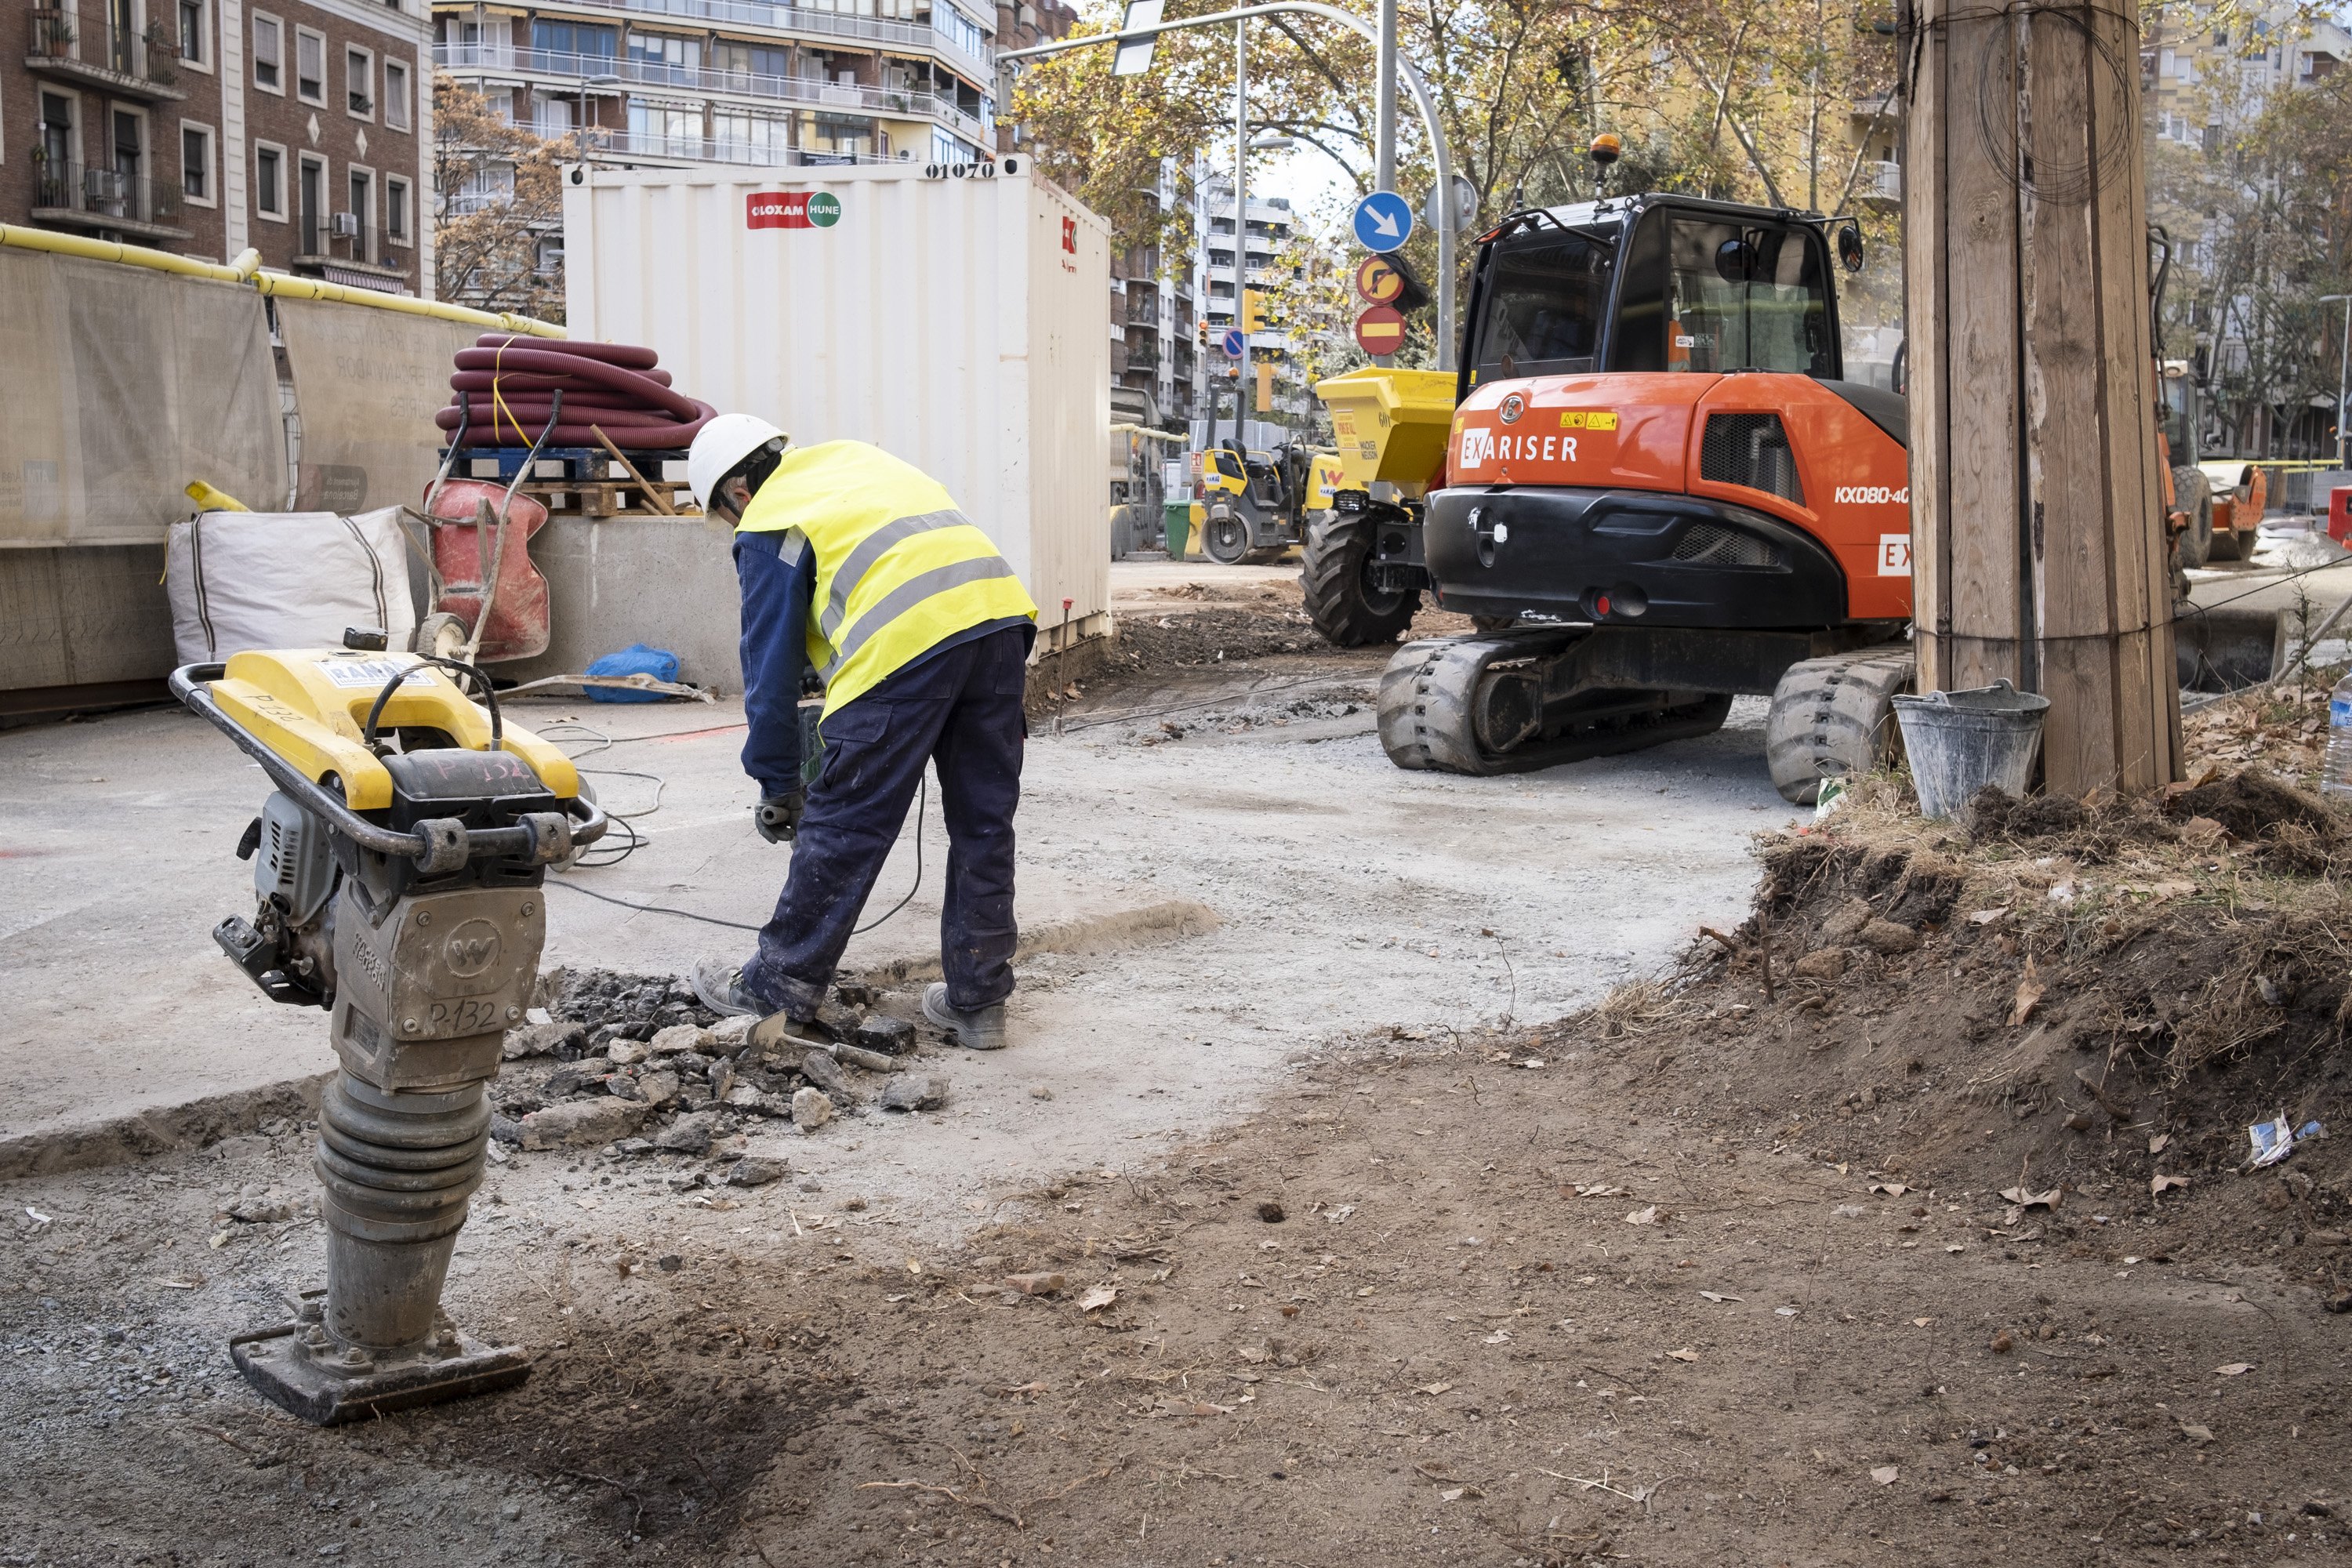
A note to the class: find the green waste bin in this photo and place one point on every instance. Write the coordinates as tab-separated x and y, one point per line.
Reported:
1176	523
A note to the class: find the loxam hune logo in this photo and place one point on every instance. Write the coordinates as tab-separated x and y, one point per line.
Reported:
1070	236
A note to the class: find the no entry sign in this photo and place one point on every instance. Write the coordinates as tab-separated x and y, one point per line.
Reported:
1380	331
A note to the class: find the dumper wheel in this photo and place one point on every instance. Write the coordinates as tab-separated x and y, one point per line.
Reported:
1340	598
1834	716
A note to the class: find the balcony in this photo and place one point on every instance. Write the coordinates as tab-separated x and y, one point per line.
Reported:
573	68
71	195
615	145
128	66
1880	182
353	251
798	19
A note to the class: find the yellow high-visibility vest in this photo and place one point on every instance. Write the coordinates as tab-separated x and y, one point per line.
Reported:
898	568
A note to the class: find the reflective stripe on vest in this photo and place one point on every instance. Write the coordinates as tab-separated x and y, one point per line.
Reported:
898	568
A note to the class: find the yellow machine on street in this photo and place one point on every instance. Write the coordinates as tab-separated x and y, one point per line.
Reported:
400	865
1257	505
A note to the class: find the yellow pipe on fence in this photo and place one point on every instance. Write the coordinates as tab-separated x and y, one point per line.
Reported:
248	270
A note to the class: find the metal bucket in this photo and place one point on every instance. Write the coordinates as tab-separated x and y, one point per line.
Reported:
1960	741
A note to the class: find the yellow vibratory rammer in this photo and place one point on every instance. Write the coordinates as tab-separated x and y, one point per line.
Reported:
400	865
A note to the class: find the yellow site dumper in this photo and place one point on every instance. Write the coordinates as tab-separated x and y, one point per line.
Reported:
1362	570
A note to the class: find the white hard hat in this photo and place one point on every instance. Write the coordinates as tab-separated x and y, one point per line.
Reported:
720	446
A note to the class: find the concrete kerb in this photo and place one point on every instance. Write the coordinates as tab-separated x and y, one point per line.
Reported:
159	1130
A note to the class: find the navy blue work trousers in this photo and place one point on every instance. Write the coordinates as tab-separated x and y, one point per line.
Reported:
959	708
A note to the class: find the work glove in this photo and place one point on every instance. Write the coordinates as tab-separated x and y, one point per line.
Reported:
779	816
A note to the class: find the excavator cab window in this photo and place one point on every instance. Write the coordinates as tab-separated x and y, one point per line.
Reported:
1746	297
1545	295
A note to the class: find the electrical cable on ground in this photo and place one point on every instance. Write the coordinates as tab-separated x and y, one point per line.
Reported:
621	819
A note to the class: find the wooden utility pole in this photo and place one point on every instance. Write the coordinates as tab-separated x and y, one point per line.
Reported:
2039	551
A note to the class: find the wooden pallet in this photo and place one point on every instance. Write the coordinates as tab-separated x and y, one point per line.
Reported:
606	497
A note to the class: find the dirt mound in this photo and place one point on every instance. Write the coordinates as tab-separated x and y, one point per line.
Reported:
2065	998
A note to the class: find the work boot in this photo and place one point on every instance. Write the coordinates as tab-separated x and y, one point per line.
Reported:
974	1028
720	986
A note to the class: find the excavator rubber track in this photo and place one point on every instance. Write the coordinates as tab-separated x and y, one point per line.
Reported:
1834	716
1473	705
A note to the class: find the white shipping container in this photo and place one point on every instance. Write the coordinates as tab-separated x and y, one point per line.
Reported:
950	322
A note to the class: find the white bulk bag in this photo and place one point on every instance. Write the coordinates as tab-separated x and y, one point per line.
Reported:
242	580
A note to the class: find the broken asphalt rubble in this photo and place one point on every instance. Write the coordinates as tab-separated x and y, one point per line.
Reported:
635	1063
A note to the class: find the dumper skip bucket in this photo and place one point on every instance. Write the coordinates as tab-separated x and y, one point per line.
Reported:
1960	741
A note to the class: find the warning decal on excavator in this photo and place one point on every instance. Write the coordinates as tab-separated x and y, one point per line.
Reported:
1587	419
1894	555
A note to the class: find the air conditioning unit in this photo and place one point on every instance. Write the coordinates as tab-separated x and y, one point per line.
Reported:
102	185
344	225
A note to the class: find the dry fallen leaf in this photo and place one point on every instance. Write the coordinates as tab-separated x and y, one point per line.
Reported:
2234	1369
2028	994
1434	1388
1096	1297
2158	1145
1986	917
2200	1435
1718	1297
1921	1322
1686	1353
1892	1189
2160	1184
1647	1215
1884	1475
2023	1198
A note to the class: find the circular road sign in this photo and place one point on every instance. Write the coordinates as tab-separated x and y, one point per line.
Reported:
1383	221
1380	331
1379	281
1232	343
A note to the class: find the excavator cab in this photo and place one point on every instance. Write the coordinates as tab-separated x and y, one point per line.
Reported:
1658	492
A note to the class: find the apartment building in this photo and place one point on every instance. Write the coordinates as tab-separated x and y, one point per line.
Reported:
740	81
299	127
2198	77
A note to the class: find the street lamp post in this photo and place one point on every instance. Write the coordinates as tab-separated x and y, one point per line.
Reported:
2343	377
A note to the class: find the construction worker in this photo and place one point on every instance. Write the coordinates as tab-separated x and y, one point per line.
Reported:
860	566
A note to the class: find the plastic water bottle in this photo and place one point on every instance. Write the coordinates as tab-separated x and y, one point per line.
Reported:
2335	772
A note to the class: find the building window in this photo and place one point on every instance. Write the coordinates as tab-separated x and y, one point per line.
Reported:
310	65
268	53
269	180
588	40
358	225
395	211
196	163
395	95
359	84
310	204
195	32
54	171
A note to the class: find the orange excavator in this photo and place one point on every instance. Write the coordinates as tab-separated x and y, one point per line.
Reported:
1659	493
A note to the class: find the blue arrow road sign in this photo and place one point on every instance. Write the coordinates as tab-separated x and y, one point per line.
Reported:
1383	222
1232	345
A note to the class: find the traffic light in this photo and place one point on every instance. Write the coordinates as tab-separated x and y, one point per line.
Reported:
1253	311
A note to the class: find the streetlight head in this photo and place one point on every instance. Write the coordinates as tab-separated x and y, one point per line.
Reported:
1273	145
